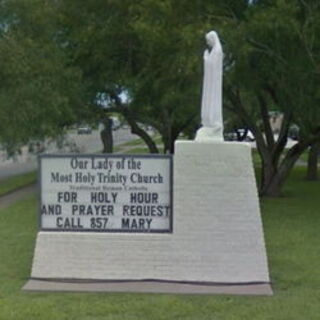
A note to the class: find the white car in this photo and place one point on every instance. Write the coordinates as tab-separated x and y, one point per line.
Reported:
84	130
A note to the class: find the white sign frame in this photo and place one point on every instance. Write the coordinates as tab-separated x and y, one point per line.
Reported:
93	160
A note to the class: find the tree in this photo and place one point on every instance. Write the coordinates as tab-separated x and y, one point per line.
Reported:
273	65
106	135
39	89
313	155
152	51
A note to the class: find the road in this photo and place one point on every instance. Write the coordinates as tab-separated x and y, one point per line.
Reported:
84	143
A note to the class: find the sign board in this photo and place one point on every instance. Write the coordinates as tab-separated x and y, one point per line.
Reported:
106	193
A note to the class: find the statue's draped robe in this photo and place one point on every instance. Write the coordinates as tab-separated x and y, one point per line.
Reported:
211	106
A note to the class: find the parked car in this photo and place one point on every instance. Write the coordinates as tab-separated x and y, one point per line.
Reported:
293	132
230	136
84	130
236	135
116	124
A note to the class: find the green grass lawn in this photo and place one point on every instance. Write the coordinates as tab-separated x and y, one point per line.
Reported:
140	142
291	226
10	184
137	146
137	150
133	143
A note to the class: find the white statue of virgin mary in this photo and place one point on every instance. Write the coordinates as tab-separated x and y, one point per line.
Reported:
211	105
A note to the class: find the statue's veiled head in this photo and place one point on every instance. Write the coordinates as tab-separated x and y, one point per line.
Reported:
212	38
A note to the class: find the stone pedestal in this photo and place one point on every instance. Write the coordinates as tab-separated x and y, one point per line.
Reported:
217	236
217	212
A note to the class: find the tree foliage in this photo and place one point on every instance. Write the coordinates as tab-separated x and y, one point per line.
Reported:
152	51
143	59
274	65
140	49
39	89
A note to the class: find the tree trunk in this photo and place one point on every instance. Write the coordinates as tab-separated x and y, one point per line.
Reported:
135	129
272	186
172	144
268	172
106	136
312	169
169	145
169	138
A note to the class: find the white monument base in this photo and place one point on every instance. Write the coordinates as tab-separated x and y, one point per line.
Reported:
217	212
217	234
